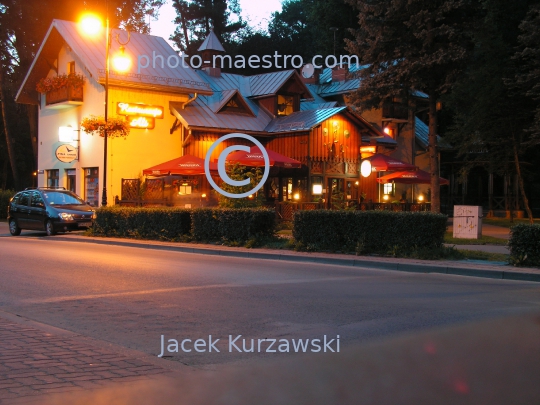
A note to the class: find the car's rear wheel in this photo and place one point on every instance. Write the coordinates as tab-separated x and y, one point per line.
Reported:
14	228
49	228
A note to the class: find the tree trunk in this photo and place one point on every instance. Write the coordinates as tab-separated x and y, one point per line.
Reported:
434	154
9	139
3	184
32	113
520	181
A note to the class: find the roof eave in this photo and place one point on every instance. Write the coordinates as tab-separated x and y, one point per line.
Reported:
157	87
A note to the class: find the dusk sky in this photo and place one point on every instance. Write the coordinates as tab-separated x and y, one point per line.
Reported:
256	12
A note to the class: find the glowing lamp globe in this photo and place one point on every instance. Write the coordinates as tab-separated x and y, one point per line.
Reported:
121	62
91	25
365	168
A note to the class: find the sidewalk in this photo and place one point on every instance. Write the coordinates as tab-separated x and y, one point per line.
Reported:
38	359
473	268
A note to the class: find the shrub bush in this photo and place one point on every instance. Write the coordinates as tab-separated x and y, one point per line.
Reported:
206	224
524	244
149	223
368	231
5	196
238	225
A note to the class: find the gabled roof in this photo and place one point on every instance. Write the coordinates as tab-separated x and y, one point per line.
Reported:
302	120
220	99
268	84
200	114
211	43
91	54
313	105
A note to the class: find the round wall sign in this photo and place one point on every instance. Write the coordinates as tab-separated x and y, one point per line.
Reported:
66	153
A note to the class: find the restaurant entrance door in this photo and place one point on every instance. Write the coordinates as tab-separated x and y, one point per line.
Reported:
335	193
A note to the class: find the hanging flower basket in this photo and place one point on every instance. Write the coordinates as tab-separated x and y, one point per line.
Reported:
72	80
116	127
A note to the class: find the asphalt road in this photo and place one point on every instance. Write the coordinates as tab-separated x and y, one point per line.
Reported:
132	296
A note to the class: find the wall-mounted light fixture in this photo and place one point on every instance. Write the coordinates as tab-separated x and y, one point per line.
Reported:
67	134
317	189
365	168
389	131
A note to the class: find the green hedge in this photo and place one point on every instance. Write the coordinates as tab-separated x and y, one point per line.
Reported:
368	231
228	224
205	224
208	224
524	244
5	196
148	223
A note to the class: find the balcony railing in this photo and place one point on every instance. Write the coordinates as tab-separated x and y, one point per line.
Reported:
64	97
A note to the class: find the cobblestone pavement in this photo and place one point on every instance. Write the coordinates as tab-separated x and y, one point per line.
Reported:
35	362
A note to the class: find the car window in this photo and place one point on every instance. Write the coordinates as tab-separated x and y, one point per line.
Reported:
62	198
15	199
23	199
37	200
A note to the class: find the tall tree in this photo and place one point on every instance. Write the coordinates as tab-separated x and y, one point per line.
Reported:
311	27
528	63
195	18
420	44
492	110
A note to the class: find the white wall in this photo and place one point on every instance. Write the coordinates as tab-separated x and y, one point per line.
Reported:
126	158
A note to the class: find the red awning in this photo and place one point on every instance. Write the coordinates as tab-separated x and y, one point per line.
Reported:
254	158
416	177
383	163
185	165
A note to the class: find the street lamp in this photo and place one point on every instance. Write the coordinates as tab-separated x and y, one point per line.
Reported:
91	25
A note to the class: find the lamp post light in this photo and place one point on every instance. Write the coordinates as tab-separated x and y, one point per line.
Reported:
91	25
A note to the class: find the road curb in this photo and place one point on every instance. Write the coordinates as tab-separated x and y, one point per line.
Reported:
469	271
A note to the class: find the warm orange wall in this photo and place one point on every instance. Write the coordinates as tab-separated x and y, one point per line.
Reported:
201	141
291	145
295	145
350	145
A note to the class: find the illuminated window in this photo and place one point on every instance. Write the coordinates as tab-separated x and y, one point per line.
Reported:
285	105
71	67
52	178
389	188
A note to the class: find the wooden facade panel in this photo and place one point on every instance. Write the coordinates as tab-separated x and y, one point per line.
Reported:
370	186
269	103
336	138
201	142
293	146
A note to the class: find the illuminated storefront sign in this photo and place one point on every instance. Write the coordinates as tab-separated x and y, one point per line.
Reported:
66	153
141	122
140	110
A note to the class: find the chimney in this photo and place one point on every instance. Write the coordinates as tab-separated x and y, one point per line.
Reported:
313	74
339	74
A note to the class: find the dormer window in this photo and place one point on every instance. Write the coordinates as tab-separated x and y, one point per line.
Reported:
235	105
285	105
232	104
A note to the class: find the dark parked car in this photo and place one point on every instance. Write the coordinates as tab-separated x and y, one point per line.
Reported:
48	209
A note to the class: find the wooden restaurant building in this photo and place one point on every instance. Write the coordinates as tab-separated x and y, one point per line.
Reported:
178	113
